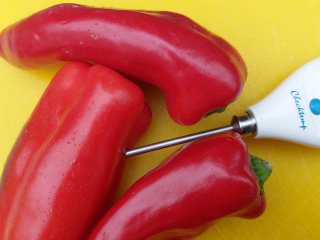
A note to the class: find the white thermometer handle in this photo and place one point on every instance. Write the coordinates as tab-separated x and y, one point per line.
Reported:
292	111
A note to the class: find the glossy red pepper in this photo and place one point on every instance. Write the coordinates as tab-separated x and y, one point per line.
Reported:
68	159
201	183
198	72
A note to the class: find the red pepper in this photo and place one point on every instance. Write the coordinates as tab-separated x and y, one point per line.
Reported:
201	183
198	72
67	161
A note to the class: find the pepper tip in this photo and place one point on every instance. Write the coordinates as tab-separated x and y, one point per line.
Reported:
1	50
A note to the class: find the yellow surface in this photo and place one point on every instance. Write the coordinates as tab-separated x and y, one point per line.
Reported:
274	38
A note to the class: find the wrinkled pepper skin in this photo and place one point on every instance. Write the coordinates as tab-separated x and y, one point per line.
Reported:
68	159
199	184
197	71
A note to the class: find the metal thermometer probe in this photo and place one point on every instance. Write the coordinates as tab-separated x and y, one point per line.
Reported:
291	112
243	124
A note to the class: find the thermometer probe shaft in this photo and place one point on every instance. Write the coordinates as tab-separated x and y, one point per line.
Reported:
243	125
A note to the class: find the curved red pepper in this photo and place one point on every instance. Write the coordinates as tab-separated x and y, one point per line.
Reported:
197	71
67	161
204	181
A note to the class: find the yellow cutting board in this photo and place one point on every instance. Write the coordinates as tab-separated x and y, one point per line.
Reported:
274	38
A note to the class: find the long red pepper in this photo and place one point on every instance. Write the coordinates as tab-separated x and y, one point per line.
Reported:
68	159
198	71
204	181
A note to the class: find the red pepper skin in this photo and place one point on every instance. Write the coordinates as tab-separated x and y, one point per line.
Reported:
62	171
140	126
197	71
201	183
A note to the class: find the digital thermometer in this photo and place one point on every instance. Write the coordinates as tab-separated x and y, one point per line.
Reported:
291	112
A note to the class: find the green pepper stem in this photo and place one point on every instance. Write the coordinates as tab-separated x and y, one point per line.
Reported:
262	170
218	110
